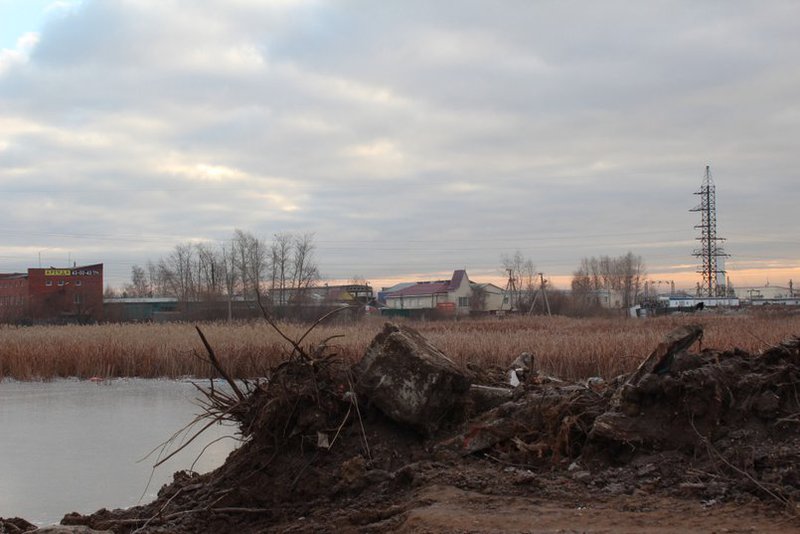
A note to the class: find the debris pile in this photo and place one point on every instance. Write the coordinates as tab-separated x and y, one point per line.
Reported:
333	446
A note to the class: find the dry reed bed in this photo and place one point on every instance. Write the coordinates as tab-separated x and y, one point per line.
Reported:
569	348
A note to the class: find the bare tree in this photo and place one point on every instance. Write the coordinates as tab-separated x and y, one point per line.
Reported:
292	267
522	272
625	274
280	253
209	281
177	267
251	262
198	271
139	286
631	270
304	269
155	279
228	264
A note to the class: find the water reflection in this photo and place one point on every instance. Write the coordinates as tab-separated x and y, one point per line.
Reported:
72	445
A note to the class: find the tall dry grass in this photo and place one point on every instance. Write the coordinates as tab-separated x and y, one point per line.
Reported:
565	347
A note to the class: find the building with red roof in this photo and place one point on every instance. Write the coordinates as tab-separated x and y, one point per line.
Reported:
441	297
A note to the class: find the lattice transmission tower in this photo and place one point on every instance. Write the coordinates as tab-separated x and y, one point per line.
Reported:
710	250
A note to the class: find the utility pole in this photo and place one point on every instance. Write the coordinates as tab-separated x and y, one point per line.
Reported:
543	292
710	245
511	289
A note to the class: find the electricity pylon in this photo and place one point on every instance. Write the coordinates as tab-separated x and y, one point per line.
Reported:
710	245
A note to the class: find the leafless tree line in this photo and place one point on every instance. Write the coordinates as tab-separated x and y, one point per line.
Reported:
243	267
625	274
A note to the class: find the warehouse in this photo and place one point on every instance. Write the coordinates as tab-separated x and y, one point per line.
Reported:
53	295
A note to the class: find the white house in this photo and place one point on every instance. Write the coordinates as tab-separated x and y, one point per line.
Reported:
454	296
495	297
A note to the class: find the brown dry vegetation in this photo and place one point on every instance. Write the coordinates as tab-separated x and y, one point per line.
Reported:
564	347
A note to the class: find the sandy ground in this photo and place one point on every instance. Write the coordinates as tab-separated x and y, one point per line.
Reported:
446	509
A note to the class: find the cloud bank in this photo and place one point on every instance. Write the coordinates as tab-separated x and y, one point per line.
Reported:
412	137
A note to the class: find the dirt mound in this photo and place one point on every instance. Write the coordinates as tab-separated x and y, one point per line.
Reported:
723	423
14	525
321	455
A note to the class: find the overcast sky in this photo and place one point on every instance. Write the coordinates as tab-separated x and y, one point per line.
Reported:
412	137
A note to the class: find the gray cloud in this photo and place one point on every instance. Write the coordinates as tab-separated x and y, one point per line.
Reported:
412	138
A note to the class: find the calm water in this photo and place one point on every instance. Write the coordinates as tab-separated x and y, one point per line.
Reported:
72	445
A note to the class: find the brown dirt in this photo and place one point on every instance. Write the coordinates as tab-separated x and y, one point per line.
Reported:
706	442
448	509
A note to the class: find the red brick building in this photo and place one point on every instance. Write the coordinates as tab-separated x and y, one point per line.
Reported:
13	296
53	294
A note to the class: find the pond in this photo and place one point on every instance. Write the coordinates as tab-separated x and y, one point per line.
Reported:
73	445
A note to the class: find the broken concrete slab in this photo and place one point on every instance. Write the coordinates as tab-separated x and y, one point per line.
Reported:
409	379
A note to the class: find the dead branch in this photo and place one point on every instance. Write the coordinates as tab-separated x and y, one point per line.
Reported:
354	400
213	359
267	317
179	449
320	320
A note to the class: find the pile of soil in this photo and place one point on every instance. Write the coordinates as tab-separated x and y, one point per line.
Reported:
14	525
698	432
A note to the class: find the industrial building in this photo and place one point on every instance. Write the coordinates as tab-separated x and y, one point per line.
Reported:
768	294
687	302
140	309
71	294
